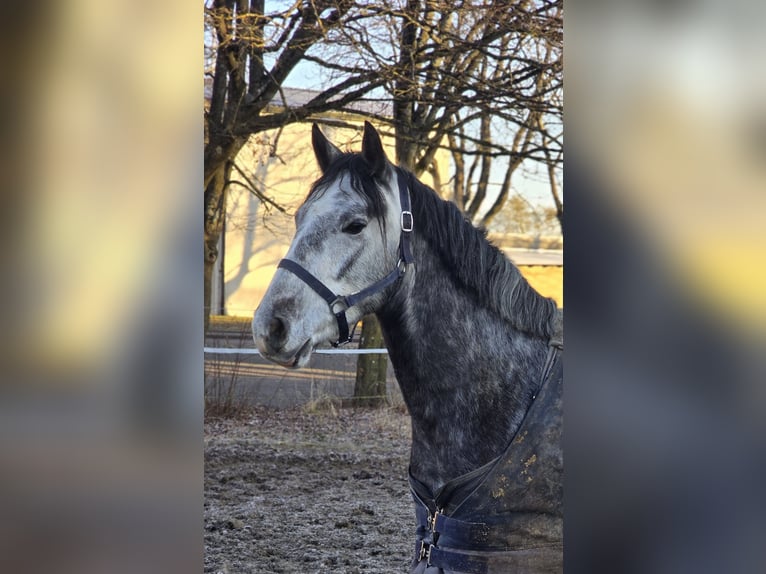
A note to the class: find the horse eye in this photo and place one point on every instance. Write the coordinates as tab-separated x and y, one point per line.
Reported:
354	228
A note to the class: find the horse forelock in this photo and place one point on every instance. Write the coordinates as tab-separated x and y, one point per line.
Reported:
361	180
478	264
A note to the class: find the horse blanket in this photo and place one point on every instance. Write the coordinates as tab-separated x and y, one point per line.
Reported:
506	516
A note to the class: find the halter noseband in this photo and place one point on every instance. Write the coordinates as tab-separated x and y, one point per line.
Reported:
339	304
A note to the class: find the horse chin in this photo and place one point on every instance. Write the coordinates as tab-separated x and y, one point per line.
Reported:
301	358
295	360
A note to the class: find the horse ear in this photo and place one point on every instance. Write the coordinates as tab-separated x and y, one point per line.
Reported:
372	150
324	150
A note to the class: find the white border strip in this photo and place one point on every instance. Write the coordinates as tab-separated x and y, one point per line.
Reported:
241	351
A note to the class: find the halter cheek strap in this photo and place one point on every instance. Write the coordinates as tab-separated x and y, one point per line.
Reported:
325	293
406	220
339	304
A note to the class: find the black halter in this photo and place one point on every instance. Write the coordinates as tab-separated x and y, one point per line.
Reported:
339	304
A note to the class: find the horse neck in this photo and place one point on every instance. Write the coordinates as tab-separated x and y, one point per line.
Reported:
466	375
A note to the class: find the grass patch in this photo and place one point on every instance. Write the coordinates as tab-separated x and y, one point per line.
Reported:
224	395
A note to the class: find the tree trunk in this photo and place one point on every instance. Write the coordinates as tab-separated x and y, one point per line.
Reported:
215	209
405	88
370	386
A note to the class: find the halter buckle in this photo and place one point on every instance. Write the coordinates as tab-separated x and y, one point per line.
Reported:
339	300
407	221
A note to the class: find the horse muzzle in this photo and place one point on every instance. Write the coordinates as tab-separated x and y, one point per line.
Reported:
275	341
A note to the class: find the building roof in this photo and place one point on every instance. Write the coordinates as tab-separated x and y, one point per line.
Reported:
297	97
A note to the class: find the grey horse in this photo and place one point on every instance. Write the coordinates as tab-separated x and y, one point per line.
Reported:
477	353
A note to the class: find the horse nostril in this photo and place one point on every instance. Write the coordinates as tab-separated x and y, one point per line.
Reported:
277	332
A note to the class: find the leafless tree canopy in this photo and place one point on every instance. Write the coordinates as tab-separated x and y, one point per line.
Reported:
482	79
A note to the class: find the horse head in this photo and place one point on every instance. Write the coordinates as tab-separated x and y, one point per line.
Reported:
347	232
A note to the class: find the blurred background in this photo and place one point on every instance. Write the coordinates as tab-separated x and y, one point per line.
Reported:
101	393
665	118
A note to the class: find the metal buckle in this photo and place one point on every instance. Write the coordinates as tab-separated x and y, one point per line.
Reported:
432	520
340	343
425	552
409	224
427	547
339	300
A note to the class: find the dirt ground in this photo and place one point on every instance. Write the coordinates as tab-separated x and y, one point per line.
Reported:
290	490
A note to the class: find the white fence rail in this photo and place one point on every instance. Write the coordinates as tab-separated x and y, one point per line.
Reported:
246	351
543	257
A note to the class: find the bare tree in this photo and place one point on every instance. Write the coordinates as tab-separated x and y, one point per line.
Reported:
458	73
250	52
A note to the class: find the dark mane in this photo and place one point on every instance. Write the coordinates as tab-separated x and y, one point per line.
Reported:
479	265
